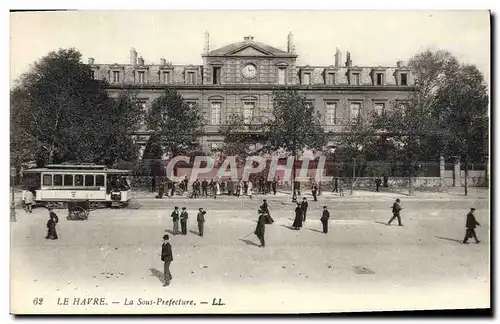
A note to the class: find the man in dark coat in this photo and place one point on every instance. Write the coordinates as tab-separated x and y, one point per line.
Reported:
314	191
274	185
324	219
470	226
260	230
230	187
297	223
167	257
51	225
185	184
336	185
265	209
396	209
378	182
204	187
304	205
184	218
175	219
172	188
201	221
223	187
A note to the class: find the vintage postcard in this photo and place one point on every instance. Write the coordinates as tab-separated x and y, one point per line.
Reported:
249	162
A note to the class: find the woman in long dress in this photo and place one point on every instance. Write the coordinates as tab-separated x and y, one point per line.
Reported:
51	226
249	190
217	187
297	223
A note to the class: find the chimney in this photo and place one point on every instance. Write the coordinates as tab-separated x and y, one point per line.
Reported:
133	56
399	63
338	58
91	60
206	47
348	62
290	47
163	61
140	61
245	38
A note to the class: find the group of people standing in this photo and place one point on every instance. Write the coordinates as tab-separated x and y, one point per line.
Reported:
183	218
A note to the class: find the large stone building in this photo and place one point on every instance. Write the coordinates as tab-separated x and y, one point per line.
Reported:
241	77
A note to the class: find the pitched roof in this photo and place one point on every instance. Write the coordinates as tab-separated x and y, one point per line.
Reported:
228	49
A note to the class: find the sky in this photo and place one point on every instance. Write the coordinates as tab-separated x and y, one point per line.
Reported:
372	37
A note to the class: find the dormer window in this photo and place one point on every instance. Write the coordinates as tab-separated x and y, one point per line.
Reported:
140	77
355	78
380	78
354	75
329	75
306	75
307	78
166	73
404	79
166	77
116	76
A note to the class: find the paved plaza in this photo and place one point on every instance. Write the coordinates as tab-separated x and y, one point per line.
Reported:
361	264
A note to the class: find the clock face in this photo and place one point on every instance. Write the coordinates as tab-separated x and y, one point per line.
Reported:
249	71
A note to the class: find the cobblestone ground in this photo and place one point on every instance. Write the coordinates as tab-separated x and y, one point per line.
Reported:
361	264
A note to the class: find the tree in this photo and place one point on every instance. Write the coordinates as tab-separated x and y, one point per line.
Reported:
175	124
62	114
294	125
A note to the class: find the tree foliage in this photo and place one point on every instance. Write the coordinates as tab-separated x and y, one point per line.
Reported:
294	124
61	114
174	123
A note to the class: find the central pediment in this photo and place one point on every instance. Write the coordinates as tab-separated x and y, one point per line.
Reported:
249	51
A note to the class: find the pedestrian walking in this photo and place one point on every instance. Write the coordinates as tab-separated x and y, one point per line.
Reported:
268	187
396	209
204	187
223	187
297	223
184	218
201	220
314	190
265	209
167	257
378	182
274	185
324	219
260	230
470	227
336	185
175	219
172	188
249	189
28	201
340	187
303	206
51	225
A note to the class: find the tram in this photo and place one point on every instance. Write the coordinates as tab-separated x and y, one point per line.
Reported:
59	184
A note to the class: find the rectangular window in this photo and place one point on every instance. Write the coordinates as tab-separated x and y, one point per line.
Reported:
216	108
92	74
331	78
355	111
331	113
116	76
166	77
248	111
68	180
57	180
190	78
355	78
404	79
140	77
78	180
379	108
89	180
307	78
380	79
47	180
216	75
281	76
99	180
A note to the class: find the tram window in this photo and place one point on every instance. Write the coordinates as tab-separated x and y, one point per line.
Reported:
89	180
57	180
99	180
68	180
78	180
47	179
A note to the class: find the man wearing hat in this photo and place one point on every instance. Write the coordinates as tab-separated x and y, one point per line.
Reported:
175	219
324	219
470	225
303	206
167	257
260	229
201	220
265	210
396	208
184	218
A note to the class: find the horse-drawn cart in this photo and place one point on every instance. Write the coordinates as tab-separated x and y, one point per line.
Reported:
78	210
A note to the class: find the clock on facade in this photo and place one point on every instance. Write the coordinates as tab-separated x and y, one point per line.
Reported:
249	71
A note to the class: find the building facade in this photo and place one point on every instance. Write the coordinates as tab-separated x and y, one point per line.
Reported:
241	77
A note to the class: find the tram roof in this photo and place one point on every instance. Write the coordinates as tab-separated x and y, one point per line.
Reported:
77	170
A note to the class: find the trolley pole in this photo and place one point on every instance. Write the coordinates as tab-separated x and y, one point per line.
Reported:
12	202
